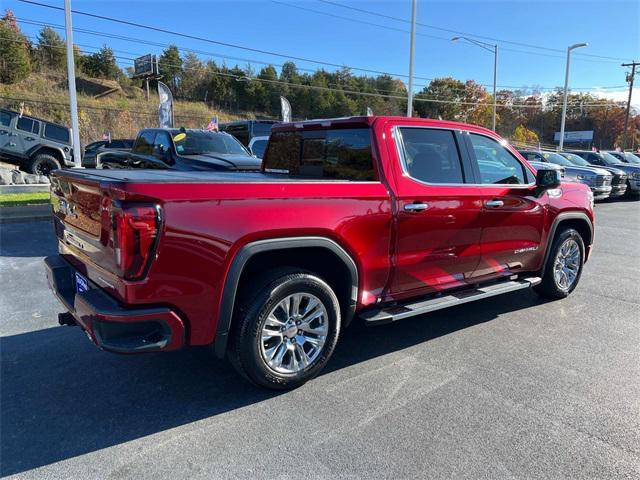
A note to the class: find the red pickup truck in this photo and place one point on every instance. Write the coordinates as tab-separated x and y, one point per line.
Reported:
379	218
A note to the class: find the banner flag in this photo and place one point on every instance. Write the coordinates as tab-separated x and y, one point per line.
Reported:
285	108
165	109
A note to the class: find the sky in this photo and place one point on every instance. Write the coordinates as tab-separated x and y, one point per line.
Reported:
326	31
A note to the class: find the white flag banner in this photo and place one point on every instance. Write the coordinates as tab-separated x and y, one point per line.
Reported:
285	108
165	110
369	112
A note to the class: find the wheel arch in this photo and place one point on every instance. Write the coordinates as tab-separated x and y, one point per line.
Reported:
576	220
304	252
57	153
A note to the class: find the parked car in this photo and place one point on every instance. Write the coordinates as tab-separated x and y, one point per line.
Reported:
257	145
624	157
598	180
379	218
184	149
604	161
95	149
36	145
245	130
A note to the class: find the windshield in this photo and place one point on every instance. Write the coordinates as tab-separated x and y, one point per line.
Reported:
609	159
557	159
576	159
631	158
202	143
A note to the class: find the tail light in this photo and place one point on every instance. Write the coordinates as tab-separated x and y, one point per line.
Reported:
135	235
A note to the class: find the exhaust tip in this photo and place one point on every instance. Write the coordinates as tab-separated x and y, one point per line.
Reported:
66	319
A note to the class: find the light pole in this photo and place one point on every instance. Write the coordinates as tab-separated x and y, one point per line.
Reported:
71	74
493	49
566	86
411	48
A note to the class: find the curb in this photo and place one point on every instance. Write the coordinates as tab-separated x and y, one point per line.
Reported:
25	213
33	188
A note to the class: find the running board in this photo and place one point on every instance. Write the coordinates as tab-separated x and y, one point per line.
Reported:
401	311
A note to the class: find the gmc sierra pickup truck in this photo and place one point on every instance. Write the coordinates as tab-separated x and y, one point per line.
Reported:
374	218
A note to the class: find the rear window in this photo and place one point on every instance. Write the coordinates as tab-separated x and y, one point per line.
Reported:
56	132
341	154
261	129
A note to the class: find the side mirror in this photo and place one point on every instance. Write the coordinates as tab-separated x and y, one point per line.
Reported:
547	179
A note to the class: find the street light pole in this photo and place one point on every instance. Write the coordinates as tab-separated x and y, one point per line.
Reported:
493	49
71	74
566	87
411	49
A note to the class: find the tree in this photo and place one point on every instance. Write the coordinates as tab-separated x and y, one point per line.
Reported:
193	79
15	62
51	49
170	65
441	99
102	64
523	135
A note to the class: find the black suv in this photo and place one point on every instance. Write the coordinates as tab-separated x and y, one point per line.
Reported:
36	145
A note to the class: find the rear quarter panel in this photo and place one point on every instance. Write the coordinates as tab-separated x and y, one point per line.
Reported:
201	236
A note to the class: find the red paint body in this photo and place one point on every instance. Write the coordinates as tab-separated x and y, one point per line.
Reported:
398	254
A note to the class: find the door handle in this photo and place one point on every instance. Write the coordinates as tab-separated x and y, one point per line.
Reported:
29	139
11	144
494	203
415	207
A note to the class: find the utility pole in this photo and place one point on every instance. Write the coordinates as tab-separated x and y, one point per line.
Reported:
566	88
626	118
71	74
411	48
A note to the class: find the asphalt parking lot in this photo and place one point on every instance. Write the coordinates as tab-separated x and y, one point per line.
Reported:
510	387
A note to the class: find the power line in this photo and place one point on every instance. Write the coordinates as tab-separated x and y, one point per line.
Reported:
216	42
447	39
213	54
442	29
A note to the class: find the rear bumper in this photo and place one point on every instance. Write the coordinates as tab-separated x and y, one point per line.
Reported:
109	325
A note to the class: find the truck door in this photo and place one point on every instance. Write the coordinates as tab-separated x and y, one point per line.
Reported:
10	143
512	216
27	134
439	210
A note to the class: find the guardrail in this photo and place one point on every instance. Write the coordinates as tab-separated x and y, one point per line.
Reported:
33	188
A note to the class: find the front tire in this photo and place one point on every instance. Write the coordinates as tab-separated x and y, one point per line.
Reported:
564	265
43	164
285	332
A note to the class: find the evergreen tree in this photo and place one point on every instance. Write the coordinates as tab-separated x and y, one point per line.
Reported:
51	49
15	62
102	64
170	65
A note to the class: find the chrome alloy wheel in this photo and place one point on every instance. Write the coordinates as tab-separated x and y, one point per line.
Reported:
567	264
294	333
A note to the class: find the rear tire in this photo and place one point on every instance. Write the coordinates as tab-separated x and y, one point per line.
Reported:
273	343
564	266
43	164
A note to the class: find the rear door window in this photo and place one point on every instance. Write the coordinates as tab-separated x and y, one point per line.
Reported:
56	132
339	154
431	155
28	125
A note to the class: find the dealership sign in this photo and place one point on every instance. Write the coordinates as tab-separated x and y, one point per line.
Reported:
575	137
145	66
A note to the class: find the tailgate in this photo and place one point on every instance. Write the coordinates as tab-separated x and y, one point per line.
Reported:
100	228
81	218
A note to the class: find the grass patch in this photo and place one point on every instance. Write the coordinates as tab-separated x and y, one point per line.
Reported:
16	199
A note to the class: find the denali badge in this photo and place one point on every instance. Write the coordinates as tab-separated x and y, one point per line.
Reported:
527	249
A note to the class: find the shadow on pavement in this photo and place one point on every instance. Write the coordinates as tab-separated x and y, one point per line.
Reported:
27	239
61	397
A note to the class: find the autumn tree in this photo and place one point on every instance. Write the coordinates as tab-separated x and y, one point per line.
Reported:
523	135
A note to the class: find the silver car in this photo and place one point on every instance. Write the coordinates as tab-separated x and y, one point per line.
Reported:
630	164
598	180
